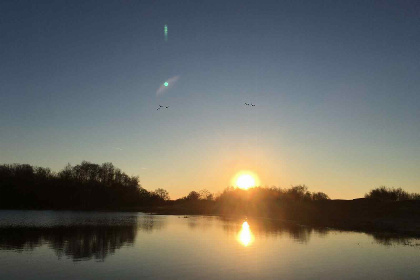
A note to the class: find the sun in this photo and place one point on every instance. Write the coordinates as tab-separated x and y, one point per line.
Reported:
245	180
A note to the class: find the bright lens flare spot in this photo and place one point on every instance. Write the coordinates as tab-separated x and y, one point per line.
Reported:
245	236
166	84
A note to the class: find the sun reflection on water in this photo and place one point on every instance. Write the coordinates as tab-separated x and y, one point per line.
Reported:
245	236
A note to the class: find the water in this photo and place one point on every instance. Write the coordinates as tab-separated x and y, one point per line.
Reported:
95	245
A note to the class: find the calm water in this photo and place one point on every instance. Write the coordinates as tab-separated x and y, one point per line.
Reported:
93	245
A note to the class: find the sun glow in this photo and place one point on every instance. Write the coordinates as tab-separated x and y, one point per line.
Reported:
245	236
245	180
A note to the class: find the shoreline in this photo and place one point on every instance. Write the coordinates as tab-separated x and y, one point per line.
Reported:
360	215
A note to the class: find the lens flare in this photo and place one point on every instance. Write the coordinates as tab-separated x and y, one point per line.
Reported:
165	32
166	85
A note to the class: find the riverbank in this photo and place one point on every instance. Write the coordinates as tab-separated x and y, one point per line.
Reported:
368	215
402	217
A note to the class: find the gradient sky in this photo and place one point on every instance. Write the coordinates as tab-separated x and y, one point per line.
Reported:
336	87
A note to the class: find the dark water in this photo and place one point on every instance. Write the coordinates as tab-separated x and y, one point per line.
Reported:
93	245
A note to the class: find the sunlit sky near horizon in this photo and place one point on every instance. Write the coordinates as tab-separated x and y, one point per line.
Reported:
335	84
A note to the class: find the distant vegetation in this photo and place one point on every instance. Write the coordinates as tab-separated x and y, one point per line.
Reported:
84	186
298	193
89	186
391	194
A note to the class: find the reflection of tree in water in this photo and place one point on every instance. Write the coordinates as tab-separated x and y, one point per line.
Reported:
302	234
200	222
267	227
96	242
392	239
151	223
20	239
78	242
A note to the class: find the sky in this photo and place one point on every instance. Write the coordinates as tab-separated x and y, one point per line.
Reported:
335	86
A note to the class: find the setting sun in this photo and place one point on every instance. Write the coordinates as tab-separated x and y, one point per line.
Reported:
245	180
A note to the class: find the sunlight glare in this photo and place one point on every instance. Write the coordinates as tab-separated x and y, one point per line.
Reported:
245	236
245	180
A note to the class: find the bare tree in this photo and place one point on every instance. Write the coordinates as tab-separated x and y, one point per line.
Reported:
164	194
206	195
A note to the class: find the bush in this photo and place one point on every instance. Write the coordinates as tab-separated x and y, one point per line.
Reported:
391	194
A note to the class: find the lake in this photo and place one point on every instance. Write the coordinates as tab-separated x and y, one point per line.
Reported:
125	245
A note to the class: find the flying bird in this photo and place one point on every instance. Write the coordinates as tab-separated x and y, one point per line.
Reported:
161	107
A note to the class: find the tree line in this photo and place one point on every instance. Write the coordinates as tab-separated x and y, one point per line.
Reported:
93	186
84	186
391	194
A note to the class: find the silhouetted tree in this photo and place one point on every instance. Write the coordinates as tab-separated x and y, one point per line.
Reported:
84	186
163	194
319	196
391	194
298	193
206	195
193	195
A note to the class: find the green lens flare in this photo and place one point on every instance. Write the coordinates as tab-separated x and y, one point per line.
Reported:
165	32
166	84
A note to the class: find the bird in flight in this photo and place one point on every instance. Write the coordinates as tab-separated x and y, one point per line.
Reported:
161	107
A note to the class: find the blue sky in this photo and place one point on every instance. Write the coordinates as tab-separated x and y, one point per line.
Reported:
335	83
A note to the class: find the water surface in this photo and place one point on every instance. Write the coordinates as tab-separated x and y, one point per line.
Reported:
103	245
